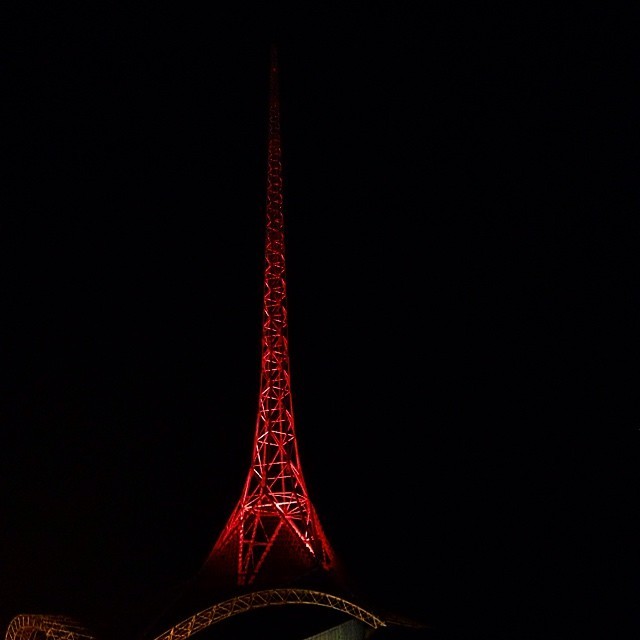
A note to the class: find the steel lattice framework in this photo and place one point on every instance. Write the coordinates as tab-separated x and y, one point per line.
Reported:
266	598
274	527
273	536
41	627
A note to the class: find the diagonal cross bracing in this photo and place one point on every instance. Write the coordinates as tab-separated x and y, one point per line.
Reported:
274	516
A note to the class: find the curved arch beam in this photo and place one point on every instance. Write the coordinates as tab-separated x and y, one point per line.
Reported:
266	598
45	627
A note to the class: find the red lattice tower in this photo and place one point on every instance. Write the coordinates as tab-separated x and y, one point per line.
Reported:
274	534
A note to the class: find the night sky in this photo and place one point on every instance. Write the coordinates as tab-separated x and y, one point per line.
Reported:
461	208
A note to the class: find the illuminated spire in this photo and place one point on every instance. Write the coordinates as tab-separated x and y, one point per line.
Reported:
273	534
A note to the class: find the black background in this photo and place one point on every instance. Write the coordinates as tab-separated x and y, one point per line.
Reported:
461	205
